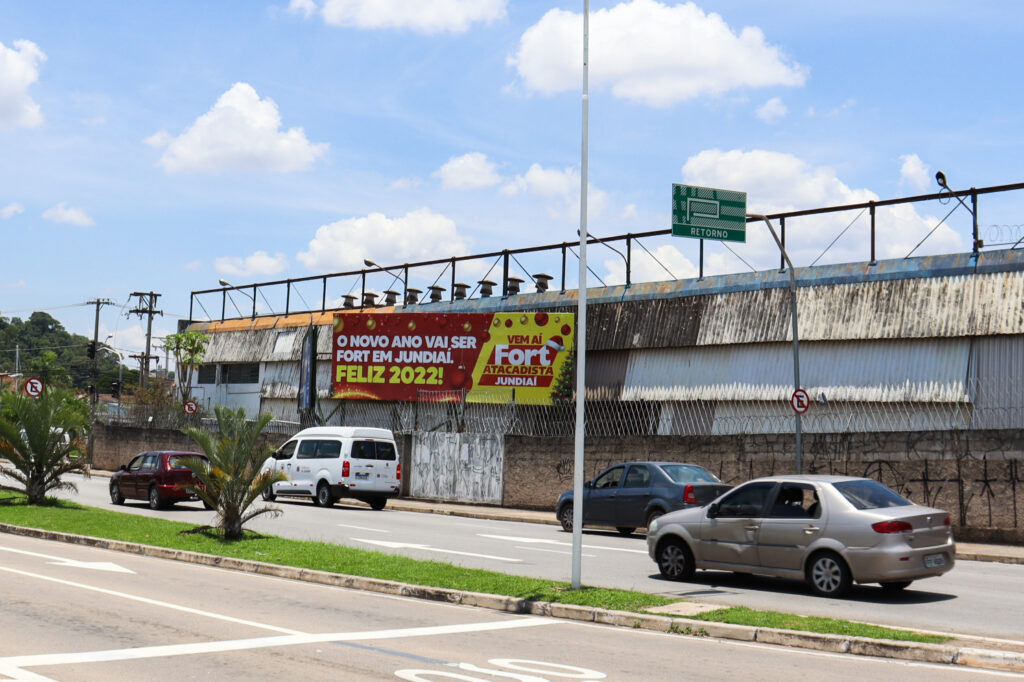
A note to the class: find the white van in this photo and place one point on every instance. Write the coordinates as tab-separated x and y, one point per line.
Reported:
326	463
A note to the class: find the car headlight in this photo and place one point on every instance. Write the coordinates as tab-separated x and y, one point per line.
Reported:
653	528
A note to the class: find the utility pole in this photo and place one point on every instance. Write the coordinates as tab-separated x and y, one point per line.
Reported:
94	372
146	306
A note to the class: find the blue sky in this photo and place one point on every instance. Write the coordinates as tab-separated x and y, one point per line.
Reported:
153	146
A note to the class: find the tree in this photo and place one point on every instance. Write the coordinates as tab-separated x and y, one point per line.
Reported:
232	475
42	439
188	349
47	367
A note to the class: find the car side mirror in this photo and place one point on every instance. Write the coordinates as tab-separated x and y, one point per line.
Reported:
588	484
123	467
713	511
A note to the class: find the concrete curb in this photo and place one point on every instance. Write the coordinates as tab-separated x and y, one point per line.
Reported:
858	646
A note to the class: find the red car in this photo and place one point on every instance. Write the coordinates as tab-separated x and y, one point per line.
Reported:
157	477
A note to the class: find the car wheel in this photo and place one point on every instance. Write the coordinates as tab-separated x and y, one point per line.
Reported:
675	560
377	503
828	574
657	513
625	530
896	585
565	517
323	495
268	494
154	498
115	493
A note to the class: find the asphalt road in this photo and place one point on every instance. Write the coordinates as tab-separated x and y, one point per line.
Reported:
975	598
80	613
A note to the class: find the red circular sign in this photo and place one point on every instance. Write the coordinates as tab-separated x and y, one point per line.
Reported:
800	401
34	387
190	407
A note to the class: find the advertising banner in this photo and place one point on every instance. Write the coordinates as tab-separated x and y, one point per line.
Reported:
438	356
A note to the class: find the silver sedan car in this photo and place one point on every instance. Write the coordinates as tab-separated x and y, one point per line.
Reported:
829	530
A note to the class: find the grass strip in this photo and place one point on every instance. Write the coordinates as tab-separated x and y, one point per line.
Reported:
70	517
741	615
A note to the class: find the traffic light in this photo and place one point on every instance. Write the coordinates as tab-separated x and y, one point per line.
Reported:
92	349
115	389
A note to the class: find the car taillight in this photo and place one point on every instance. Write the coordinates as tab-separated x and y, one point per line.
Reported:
689	496
398	475
947	522
891	526
344	470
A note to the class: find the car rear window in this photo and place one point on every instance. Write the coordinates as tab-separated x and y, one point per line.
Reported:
689	473
178	461
870	495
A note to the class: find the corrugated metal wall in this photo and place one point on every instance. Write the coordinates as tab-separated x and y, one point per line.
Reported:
997	368
918	370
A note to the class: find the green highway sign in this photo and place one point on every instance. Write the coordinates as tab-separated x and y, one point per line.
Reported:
706	213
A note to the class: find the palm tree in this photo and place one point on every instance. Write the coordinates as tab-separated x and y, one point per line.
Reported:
232	477
41	438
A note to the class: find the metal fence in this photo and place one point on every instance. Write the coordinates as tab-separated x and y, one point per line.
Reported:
538	268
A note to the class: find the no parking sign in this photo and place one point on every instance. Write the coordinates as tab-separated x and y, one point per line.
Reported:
34	387
800	401
190	407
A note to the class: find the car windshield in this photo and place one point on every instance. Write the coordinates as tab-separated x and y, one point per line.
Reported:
870	495
178	461
689	473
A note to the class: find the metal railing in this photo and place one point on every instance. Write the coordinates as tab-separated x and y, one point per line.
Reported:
509	273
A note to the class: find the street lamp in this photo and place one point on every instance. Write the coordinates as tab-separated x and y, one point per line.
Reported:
940	178
227	285
405	279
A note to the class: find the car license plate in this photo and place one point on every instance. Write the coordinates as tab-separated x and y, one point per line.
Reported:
362	474
933	560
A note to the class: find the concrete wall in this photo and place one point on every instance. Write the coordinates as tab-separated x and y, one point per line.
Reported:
977	476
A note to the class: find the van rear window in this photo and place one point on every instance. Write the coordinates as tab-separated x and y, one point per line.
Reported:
386	451
368	449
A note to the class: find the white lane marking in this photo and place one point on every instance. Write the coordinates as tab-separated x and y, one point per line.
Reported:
428	548
555	551
33	660
19	675
372	530
73	563
540	541
151	602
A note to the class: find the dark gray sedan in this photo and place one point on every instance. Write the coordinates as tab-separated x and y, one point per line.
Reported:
630	495
829	530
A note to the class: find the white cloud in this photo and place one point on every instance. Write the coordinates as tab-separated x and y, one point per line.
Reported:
772	110
18	71
650	53
11	210
240	133
62	213
776	182
629	212
159	139
418	235
128	340
469	171
193	265
422	16
303	7
19	284
259	263
560	187
914	172
405	183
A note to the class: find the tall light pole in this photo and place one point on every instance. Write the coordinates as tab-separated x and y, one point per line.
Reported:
405	277
581	323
